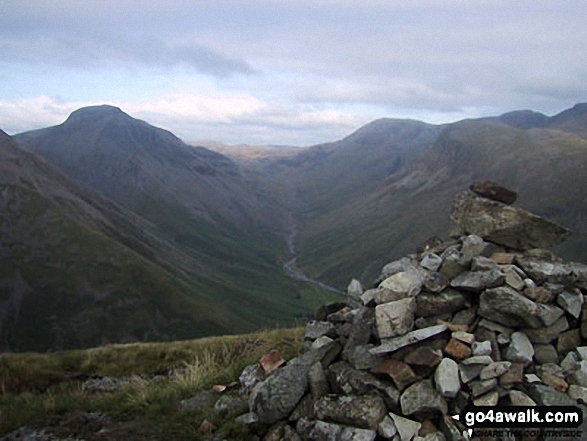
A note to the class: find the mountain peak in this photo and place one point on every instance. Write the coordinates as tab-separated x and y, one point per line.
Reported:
94	113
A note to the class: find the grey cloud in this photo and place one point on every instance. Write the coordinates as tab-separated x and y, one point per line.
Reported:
93	51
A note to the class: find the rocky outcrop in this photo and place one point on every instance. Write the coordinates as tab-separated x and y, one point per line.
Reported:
482	319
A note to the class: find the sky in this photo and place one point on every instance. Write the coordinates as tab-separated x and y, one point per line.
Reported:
288	72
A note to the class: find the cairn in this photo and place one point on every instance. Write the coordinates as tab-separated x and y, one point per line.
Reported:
487	318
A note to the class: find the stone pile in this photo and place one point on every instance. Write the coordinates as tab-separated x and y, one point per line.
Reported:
486	318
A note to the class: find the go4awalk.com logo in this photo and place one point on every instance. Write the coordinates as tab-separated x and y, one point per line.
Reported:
549	421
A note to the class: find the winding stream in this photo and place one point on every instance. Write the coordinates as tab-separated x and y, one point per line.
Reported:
290	266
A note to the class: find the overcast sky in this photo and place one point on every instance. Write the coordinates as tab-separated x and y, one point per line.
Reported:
288	72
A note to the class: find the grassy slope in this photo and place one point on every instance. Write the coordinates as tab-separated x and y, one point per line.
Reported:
40	389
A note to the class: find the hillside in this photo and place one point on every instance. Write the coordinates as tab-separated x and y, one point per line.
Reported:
80	270
384	190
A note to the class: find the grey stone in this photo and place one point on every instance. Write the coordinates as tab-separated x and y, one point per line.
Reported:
360	357
274	398
481	263
519	398
571	302
435	282
250	376
323	431
386	428
465	337
247	418
201	402
325	310
489	399
545	353
356	434
368	297
549	333
421	397
393	344
484	360
495	369
358	411
431	262
406	427
446	378
318	382
229	406
570	363
506	306
321	341
399	286
547	396
465	317
496	327
520	349
355	289
104	384
447	302
542	271
472	246
578	393
360	333
514	280
579	376
549	314
315	329
481	348
477	281
435	436
398	266
452	263
505	225
344	379
395	318
482	386
582	352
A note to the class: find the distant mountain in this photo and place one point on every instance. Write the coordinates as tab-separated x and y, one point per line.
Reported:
77	270
385	189
219	228
247	154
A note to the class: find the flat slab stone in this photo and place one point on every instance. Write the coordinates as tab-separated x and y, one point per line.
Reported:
359	411
395	318
496	192
410	338
505	225
510	308
421	397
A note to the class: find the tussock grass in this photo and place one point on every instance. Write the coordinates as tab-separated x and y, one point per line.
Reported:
35	387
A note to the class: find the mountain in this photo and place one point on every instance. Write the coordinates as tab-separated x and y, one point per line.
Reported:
384	189
214	238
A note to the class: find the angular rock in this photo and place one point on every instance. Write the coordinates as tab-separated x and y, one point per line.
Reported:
495	369
545	353
481	387
465	337
420	398
520	349
539	294
579	377
554	381
407	428
446	378
399	286
230	406
472	246
547	334
568	341
247	418
483	360
452	264
477	281
359	411
315	329
505	225
493	191
519	398
506	306
360	333
423	356
503	258
489	399
321	341
514	374
549	314
203	401
393	344
514	280
355	289
274	398
318	382
447	302
543	271
572	302
431	262
401	373
481	263
578	393
469	372
323	431
395	318
436	282
481	348
398	266
325	310
386	428
368	297
570	363
547	396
